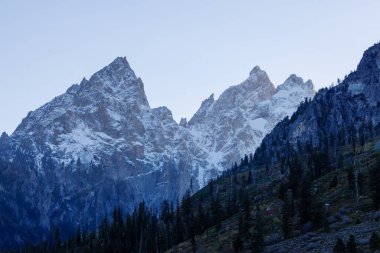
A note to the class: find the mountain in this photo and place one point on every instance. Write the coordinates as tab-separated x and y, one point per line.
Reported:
101	145
234	125
313	185
340	115
96	146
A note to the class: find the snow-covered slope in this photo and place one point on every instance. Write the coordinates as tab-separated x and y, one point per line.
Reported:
234	125
106	116
100	145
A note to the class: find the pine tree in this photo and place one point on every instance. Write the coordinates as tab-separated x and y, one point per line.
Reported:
58	242
351	179
305	202
103	230
285	215
238	244
283	188
334	182
339	246
246	206
78	237
187	213
246	160
374	242
211	186
340	161
362	136
351	245
375	184
242	226
201	219
249	179
295	175
258	233
216	213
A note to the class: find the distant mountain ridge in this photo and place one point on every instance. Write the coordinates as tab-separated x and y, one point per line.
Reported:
100	145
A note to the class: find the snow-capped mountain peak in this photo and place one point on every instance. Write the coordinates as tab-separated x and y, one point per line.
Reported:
256	71
235	123
293	80
100	144
119	70
293	89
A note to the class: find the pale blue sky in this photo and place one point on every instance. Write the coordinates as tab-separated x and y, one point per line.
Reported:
182	50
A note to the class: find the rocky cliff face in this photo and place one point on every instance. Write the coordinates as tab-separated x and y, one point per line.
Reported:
100	145
338	115
97	146
234	125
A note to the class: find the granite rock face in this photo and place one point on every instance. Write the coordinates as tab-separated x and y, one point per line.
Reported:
335	115
235	123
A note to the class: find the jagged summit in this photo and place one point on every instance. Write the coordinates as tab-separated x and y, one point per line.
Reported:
256	71
235	123
116	73
293	78
258	78
295	81
119	63
210	99
183	122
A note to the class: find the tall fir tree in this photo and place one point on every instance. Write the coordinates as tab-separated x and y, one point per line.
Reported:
351	245
339	246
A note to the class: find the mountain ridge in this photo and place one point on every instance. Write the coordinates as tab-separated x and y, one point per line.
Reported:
100	144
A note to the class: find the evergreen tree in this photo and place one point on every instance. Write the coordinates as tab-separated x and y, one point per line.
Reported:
258	233
238	244
187	213
334	182
339	246
246	160
285	219
58	242
351	245
249	179
361	182
295	175
283	188
201	220
216	213
179	229
78	237
242	226
305	201
340	161
103	230
211	186
375	184
351	179
374	242
362	137
246	206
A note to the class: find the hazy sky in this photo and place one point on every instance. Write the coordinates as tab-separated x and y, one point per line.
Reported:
182	50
